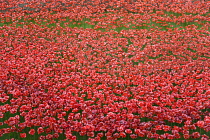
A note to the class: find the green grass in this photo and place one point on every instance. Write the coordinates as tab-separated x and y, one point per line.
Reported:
85	25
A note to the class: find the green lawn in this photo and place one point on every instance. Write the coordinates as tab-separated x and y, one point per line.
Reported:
116	25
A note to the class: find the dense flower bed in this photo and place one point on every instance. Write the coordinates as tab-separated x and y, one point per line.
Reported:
132	76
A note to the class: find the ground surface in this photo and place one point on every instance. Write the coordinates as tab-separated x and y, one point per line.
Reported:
109	72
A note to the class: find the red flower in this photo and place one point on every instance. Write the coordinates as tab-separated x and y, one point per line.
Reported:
128	131
31	132
40	130
122	134
186	136
116	135
121	128
23	135
200	124
49	136
133	136
196	135
100	135
1	115
55	135
166	128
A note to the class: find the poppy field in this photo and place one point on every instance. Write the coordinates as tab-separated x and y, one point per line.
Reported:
104	70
